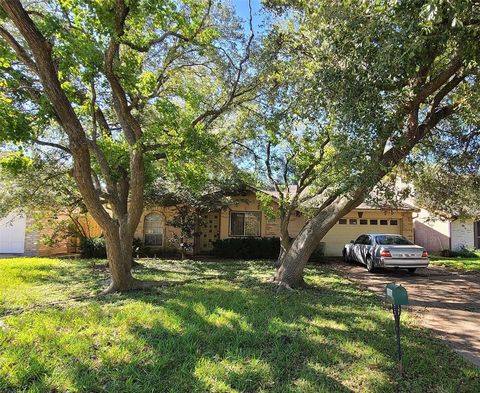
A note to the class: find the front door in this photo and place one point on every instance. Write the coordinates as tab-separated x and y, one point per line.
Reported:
209	226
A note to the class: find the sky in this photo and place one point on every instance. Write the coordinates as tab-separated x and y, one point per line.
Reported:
241	7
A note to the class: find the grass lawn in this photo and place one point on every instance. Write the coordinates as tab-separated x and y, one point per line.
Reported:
234	334
470	265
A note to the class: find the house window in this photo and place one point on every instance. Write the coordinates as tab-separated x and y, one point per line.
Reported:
383	222
363	222
245	223
373	222
153	229
342	221
393	222
353	221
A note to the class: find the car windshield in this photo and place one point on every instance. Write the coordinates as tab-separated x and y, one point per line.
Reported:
386	240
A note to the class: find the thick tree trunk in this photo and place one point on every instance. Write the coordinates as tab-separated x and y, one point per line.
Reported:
119	253
290	272
293	261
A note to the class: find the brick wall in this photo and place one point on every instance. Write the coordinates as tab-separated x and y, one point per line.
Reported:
407	226
32	238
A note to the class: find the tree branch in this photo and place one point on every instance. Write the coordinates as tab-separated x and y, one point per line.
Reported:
436	83
210	115
270	172
51	144
130	126
67	118
19	49
155	41
446	89
393	156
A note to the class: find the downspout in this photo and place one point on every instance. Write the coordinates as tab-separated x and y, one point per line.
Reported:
414	216
450	235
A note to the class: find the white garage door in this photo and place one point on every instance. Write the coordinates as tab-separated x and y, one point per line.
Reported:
12	234
351	228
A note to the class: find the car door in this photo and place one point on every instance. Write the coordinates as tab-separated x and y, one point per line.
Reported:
366	247
357	249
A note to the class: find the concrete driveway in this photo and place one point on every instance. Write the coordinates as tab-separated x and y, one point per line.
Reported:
445	301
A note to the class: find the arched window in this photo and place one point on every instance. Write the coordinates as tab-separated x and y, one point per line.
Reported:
153	229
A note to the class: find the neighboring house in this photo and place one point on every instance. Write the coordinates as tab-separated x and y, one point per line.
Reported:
12	235
242	218
437	234
17	237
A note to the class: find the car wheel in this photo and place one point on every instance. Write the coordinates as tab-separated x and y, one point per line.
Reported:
346	258
411	270
370	264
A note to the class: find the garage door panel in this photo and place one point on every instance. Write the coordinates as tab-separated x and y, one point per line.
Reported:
12	234
341	234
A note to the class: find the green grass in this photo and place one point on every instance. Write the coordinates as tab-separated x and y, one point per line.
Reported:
469	265
235	334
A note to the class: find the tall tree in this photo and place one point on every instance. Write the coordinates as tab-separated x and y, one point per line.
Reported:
377	78
117	85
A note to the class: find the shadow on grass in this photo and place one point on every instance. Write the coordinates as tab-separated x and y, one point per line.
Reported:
77	280
232	269
224	337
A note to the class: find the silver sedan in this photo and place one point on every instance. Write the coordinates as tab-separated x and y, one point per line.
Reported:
383	250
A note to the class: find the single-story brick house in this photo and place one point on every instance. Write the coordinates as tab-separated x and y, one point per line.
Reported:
242	218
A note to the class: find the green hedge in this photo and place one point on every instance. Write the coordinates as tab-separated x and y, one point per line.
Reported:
242	247
93	247
253	247
247	247
462	253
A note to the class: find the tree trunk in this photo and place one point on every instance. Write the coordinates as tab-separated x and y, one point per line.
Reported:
285	243
183	254
119	243
285	239
293	261
290	272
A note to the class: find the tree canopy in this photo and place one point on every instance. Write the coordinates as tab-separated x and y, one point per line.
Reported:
350	91
119	85
336	96
445	170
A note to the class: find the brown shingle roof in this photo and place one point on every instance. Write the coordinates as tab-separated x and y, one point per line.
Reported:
363	206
